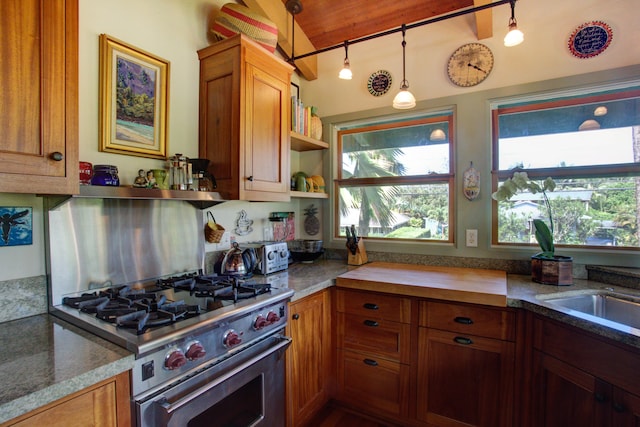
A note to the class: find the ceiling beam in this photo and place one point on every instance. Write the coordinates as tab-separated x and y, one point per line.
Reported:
275	11
484	20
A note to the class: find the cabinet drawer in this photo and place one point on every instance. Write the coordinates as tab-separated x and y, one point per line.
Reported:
374	306
467	319
372	383
382	338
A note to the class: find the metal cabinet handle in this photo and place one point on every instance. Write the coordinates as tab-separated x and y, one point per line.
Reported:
295	316
57	156
371	306
619	407
463	340
463	320
600	397
250	178
370	362
371	323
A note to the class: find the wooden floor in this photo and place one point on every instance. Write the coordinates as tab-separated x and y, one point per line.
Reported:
334	416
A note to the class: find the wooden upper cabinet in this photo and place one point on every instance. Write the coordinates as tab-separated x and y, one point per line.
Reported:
245	120
39	86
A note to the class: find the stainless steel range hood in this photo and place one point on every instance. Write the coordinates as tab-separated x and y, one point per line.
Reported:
199	199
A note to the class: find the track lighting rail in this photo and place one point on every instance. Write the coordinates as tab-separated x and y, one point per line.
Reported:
406	27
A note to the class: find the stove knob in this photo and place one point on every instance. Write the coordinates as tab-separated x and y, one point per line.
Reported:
174	360
272	317
231	338
260	323
195	350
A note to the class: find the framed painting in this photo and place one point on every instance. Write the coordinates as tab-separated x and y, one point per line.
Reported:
16	224
134	95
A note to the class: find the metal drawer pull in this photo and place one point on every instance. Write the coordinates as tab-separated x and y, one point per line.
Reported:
370	362
600	397
463	320
371	323
370	306
463	340
619	407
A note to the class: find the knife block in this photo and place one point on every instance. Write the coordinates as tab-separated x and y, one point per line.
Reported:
360	256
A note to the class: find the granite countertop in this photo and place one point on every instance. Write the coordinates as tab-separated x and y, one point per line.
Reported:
306	279
47	358
43	359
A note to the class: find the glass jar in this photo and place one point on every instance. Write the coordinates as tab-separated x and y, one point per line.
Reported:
105	175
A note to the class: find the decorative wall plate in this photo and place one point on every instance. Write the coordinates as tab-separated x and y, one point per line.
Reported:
379	82
590	39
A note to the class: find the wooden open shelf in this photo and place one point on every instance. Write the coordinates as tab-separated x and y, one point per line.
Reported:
301	142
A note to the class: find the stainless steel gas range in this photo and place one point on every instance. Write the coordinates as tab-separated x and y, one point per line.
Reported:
209	349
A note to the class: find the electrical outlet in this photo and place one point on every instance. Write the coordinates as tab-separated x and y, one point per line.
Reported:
472	238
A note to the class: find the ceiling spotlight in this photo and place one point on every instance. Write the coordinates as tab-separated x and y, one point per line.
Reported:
514	37
404	99
345	73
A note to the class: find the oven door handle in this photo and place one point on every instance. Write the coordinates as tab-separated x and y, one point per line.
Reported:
169	408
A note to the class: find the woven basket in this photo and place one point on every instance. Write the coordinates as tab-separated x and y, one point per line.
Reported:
213	232
237	19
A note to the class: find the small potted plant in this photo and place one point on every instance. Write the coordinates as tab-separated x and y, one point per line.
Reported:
546	266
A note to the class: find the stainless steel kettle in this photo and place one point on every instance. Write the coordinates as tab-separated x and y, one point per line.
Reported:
239	261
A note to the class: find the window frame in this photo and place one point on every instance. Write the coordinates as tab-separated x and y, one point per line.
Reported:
440	116
557	99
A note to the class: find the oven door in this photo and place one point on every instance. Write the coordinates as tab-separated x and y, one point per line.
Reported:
247	389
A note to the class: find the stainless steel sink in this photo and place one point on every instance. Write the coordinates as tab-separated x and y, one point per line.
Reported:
606	305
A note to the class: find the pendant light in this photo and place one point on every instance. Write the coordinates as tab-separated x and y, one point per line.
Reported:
293	7
345	73
404	99
514	37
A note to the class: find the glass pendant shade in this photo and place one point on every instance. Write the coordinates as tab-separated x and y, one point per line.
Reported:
514	37
404	99
345	73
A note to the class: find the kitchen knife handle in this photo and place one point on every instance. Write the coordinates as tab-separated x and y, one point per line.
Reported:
371	323
370	306
463	320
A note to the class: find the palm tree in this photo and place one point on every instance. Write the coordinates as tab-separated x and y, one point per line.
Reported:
374	202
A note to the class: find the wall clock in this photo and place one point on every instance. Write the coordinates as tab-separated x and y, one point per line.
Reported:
379	82
590	39
470	64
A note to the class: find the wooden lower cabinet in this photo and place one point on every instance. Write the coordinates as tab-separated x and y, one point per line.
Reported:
464	380
106	404
580	379
309	359
373	340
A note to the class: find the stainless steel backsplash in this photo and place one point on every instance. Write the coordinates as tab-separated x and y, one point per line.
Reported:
96	242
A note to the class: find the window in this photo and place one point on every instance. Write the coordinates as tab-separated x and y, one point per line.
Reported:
589	143
395	179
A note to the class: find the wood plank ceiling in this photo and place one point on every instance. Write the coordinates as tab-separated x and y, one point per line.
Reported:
331	22
326	23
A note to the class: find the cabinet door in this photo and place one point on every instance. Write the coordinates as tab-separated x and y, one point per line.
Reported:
38	82
566	396
104	405
266	136
626	409
308	359
373	384
464	380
